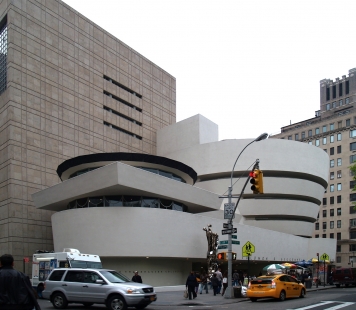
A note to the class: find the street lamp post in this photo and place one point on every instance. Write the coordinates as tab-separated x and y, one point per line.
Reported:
229	292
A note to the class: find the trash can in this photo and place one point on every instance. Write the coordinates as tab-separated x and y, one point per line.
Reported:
237	291
308	283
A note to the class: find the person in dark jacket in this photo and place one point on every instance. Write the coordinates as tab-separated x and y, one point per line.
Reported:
190	284
215	283
137	278
15	288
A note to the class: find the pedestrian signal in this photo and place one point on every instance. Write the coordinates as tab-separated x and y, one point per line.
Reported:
221	256
233	256
256	181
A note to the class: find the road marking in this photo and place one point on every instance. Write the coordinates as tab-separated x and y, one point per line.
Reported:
322	303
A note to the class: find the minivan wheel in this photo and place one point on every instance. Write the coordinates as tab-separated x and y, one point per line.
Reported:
59	301
282	296
116	302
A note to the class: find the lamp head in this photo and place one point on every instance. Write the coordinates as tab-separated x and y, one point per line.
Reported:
261	137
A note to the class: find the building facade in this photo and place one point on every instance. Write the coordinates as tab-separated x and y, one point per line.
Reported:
68	88
147	212
333	129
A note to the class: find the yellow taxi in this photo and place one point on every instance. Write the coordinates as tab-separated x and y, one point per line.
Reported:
279	286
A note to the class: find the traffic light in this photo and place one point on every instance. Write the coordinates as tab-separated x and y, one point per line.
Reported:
233	255
222	256
256	181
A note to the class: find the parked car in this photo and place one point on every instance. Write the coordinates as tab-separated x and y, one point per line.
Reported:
279	286
344	276
96	286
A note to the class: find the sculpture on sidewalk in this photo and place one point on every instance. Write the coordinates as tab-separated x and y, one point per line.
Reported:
212	239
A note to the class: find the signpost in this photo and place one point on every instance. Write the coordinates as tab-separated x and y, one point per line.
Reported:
247	250
229	231
324	257
229	211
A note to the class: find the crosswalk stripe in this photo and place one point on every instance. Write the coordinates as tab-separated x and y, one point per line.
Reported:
322	303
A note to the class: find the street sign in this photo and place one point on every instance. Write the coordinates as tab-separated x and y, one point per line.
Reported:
248	249
324	257
224	242
229	231
226	225
222	247
235	242
233	236
229	210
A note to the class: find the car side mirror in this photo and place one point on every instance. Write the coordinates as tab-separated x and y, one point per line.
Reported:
100	281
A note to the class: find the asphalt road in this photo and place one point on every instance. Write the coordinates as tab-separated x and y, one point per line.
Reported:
330	299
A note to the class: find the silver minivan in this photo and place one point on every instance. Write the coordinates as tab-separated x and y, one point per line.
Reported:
96	286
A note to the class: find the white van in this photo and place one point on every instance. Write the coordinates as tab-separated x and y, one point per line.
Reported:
44	262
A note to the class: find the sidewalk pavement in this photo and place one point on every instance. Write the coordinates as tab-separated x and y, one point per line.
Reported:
173	296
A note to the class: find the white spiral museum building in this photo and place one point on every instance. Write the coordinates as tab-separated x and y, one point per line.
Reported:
147	212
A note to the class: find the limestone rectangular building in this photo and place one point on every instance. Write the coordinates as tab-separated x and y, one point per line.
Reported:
67	88
333	129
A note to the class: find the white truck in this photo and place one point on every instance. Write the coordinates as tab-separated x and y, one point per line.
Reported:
44	262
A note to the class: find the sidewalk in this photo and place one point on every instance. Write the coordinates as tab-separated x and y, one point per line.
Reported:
173	296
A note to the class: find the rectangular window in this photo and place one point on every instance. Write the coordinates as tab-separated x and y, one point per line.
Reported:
338	211
334	104
310	142
339	149
338	248
303	135
338	238
327	106
348	122
332	200
324	235
324	140
317	142
310	133
331	212
316	226
331	235
338	199
3	55
352	234
339	136
352	223
324	213
352	210
352	247
332	139
332	188
331	224
324	128
353	146
340	89
352	197
324	201
331	175
338	258
332	126
296	137
347	100
317	236
347	87
353	132
317	131
334	91
339	161
352	158
331	151
289	137
339	186
324	225
332	163
339	174
340	103
352	184
328	93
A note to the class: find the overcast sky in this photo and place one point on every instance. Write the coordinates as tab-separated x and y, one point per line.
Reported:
248	66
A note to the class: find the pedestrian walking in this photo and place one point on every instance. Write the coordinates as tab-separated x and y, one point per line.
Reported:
204	283
136	278
190	284
215	283
235	278
224	283
220	277
16	291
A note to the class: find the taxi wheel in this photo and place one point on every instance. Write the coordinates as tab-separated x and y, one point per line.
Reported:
302	293
253	299
282	296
